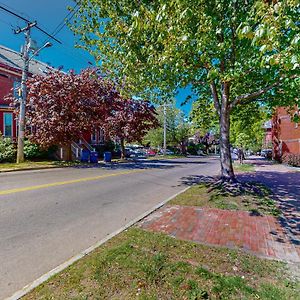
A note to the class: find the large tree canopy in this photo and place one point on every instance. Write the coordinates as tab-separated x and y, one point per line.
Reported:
61	107
233	52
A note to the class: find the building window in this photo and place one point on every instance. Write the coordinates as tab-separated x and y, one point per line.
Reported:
17	87
8	124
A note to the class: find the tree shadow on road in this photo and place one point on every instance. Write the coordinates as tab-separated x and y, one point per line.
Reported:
141	164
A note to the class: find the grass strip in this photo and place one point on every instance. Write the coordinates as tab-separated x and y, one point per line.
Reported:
207	195
143	265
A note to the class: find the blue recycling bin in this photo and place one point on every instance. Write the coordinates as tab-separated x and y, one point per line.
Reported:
94	157
107	156
85	155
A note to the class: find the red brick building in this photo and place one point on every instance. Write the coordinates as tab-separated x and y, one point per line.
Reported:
285	133
10	80
267	140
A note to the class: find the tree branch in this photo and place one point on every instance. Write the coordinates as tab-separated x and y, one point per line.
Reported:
250	96
254	95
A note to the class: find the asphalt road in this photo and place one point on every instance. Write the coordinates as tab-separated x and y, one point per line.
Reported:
48	216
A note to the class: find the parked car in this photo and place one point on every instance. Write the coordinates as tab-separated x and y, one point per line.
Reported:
267	153
150	152
128	152
138	153
168	152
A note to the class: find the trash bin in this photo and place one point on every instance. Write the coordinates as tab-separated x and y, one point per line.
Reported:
107	156
85	155
94	157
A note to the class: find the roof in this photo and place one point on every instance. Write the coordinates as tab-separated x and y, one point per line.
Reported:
14	60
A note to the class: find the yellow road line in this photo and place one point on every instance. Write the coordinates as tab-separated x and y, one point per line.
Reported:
46	185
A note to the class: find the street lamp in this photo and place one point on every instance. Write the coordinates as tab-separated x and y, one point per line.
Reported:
46	45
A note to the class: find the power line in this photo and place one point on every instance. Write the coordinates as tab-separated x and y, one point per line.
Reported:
50	36
14	14
65	20
57	29
28	22
67	47
15	10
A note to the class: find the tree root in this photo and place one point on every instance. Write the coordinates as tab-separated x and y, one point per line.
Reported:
234	187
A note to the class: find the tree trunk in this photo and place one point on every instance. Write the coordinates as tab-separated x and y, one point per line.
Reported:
227	173
123	151
223	108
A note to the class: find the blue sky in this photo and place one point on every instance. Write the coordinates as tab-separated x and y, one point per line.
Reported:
49	14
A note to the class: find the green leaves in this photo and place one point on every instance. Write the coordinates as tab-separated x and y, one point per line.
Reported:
154	47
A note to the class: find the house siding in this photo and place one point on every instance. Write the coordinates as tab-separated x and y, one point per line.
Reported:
285	134
7	78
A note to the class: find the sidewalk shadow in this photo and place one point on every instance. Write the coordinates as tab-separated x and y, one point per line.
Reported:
259	161
125	166
286	191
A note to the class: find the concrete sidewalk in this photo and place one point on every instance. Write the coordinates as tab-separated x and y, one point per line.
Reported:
284	182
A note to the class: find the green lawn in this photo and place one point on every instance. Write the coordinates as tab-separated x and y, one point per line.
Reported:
39	164
243	167
215	197
143	265
27	165
48	164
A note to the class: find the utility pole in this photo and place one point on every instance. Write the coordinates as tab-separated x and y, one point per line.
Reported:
25	57
165	129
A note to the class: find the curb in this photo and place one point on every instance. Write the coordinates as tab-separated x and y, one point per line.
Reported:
59	167
292	168
30	169
25	290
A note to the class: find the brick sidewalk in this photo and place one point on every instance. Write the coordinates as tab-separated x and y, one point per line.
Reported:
260	235
284	182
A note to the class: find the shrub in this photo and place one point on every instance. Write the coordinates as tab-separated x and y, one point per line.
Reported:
192	149
7	150
292	159
33	151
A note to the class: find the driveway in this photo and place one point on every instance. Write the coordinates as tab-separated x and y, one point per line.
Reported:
48	216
